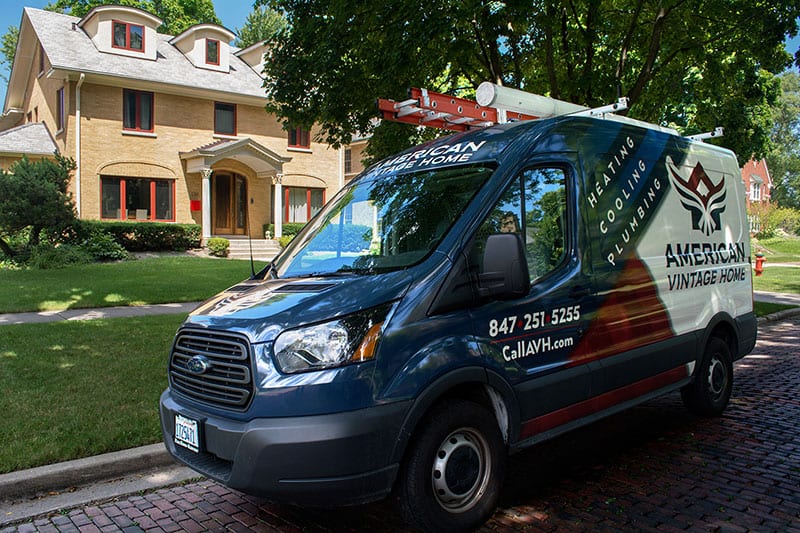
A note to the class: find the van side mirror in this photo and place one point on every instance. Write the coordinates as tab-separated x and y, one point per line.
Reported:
505	271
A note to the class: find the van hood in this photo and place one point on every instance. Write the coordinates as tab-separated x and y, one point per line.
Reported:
262	309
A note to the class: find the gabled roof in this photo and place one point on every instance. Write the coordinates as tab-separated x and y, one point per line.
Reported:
245	150
71	52
31	139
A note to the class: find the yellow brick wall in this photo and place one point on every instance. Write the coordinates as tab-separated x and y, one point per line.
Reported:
182	124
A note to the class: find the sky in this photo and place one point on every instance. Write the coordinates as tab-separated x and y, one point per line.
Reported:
232	14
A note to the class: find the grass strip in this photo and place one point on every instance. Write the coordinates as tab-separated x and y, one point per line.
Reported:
778	279
767	308
77	389
138	282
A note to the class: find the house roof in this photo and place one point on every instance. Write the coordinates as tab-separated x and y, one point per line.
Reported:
257	156
72	52
32	139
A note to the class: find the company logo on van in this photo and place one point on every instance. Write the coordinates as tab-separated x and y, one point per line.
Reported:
703	198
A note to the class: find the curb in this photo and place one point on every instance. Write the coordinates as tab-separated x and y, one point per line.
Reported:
48	478
780	315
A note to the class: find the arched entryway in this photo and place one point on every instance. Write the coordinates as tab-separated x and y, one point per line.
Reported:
229	211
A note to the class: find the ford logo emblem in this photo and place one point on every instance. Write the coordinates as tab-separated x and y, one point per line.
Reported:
198	365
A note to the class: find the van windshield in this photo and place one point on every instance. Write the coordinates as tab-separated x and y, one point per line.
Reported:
383	224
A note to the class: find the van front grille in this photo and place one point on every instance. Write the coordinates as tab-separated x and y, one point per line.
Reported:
212	367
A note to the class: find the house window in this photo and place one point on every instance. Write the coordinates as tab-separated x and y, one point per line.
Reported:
41	59
60	110
299	138
137	110
212	52
128	36
755	192
224	118
348	161
302	203
137	198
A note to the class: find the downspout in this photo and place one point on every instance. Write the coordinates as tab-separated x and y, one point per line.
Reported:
78	143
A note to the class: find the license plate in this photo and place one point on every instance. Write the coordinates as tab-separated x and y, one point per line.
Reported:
187	433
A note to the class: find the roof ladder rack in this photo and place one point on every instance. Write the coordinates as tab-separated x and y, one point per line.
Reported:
719	131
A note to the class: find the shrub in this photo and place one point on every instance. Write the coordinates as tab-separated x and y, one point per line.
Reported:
287	228
218	246
46	256
102	247
144	236
285	240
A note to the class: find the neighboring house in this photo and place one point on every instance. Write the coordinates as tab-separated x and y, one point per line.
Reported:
757	182
32	140
162	128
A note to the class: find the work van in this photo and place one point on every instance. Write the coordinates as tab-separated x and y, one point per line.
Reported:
461	301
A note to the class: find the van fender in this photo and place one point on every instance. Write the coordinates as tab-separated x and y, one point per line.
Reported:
720	323
464	382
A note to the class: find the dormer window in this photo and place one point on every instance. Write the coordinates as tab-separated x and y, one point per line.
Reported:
212	51
128	36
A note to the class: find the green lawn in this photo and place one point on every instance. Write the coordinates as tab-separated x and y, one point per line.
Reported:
76	389
143	281
779	249
778	279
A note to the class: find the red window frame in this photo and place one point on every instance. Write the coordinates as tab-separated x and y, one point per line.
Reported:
235	119
138	118
209	42
299	138
128	27
152	207
287	200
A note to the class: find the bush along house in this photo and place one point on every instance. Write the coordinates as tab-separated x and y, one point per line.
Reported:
162	128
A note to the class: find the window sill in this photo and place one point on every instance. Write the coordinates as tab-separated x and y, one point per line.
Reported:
299	149
226	137
135	133
58	132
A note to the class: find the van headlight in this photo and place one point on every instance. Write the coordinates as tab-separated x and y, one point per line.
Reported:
352	339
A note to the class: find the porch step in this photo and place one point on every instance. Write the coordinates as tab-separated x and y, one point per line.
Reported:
263	249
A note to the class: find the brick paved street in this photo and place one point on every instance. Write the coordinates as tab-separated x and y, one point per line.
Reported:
653	468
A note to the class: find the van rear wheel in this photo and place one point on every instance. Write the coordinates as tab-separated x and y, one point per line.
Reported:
454	469
710	391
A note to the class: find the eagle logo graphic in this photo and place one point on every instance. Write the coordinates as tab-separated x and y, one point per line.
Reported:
700	196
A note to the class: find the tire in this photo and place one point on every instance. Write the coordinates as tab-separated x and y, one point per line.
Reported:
453	470
709	393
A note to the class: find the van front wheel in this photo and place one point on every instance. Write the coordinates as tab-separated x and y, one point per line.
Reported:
710	391
454	469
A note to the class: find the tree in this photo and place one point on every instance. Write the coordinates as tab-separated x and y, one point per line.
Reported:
34	197
784	159
262	24
694	65
8	45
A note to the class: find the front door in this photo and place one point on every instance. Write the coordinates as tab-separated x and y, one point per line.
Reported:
230	204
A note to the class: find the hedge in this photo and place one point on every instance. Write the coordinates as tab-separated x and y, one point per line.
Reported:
144	236
287	228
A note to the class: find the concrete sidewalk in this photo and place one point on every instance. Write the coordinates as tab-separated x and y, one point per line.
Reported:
100	312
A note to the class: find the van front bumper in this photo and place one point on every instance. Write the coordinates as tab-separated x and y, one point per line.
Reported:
333	459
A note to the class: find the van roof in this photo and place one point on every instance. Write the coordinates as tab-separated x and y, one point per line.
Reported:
493	142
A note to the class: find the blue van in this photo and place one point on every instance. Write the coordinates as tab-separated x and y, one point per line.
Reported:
461	301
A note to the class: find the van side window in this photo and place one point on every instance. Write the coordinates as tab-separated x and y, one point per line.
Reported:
534	206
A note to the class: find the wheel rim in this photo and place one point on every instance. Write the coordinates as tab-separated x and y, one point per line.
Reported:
717	378
461	470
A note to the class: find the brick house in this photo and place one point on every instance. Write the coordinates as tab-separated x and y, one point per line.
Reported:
162	128
757	181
